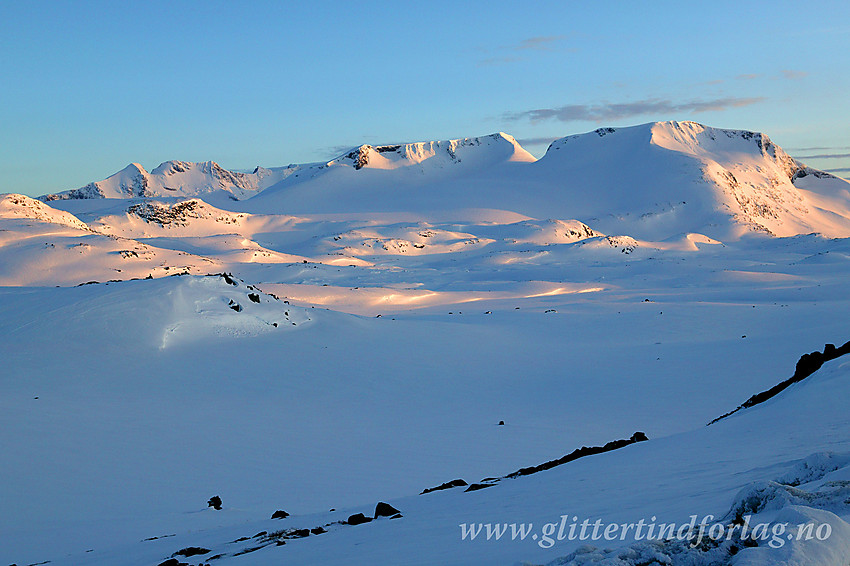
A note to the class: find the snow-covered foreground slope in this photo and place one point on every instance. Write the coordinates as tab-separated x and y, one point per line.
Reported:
767	465
132	431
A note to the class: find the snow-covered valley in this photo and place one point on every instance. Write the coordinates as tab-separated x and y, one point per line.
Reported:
329	336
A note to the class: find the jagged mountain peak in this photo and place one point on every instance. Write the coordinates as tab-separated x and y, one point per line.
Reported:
177	178
495	147
134	169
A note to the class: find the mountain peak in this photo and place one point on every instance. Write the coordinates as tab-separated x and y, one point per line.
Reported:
683	176
494	147
134	169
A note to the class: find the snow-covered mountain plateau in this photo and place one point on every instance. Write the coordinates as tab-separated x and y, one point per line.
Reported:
443	352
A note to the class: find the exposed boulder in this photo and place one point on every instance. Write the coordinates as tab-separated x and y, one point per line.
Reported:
215	502
385	510
358	519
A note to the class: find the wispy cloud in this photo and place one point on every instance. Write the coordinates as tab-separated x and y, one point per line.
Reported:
747	77
499	60
539	43
840	170
617	111
820	148
826	156
516	52
794	75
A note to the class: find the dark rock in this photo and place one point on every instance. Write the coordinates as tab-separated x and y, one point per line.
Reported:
806	366
249	550
215	502
501	423
173	562
385	510
477	486
447	485
280	514
579	453
191	551
358	519
317	530
254	297
397	516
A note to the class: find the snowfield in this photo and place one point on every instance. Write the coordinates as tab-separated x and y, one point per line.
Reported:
320	338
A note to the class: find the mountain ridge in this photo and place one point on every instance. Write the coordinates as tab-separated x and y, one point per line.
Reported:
652	181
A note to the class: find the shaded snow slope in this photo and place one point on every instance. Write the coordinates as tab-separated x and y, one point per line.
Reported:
274	448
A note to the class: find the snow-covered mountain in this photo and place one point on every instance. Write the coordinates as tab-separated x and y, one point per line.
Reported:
479	151
673	177
186	179
176	179
652	181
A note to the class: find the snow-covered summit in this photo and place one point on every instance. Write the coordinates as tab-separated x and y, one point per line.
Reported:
666	177
495	147
176	179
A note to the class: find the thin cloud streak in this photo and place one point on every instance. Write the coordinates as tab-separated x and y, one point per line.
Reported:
826	156
794	75
540	43
817	148
498	61
618	111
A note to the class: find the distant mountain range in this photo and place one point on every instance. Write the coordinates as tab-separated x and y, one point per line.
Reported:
653	181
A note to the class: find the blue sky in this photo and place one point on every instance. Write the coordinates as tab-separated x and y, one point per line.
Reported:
89	87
